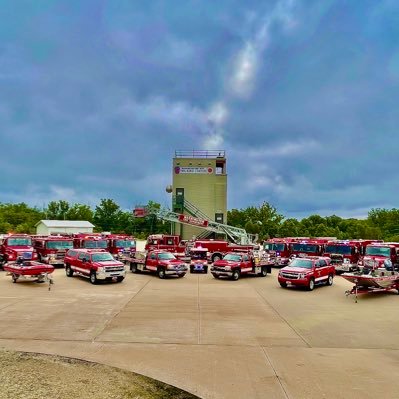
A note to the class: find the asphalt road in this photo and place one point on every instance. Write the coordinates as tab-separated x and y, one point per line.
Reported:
215	338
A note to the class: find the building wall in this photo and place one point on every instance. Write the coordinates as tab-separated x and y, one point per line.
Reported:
205	186
42	229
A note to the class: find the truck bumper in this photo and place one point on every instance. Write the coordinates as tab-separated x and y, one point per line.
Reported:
302	282
218	272
110	276
175	272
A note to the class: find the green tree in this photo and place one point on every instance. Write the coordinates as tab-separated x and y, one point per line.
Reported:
79	212
57	210
107	215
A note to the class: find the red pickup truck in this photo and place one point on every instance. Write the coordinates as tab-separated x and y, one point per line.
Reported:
162	263
307	272
97	264
234	265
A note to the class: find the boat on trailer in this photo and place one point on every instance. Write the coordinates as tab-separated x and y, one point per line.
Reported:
376	280
29	271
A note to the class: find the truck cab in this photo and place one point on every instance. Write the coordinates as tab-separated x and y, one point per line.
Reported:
307	272
96	264
16	246
90	241
344	255
277	251
236	264
306	248
121	246
198	259
166	242
52	249
163	263
379	255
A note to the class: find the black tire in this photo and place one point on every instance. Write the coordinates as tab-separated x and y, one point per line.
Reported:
206	269
93	278
216	257
311	285
263	273
236	275
120	279
68	271
215	275
191	269
330	279
133	268
284	285
161	273
181	275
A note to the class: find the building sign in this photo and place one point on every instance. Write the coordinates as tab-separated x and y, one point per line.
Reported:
193	170
192	220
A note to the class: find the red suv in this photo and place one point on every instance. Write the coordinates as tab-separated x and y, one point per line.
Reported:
97	264
307	272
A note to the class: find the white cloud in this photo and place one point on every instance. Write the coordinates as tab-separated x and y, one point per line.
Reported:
213	142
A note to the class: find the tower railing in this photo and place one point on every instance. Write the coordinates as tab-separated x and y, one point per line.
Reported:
200	153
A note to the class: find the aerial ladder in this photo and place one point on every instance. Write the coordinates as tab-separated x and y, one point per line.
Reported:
200	220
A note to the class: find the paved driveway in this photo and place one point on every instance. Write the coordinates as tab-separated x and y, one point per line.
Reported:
215	338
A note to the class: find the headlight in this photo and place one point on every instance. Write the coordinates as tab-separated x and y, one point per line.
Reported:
227	267
302	275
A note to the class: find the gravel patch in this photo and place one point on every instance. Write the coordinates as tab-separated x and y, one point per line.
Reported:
37	376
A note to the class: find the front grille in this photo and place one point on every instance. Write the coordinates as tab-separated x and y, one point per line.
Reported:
220	269
114	269
291	276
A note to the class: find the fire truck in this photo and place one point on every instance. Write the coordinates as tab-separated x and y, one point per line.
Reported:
121	246
218	248
171	243
52	249
14	246
277	251
305	248
89	240
345	254
381	255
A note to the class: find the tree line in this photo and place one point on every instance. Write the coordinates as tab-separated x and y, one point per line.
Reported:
263	220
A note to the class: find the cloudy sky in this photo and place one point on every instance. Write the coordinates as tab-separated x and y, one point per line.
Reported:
96	95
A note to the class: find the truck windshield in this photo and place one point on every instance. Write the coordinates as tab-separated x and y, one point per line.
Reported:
338	249
14	242
125	243
59	244
379	251
166	256
304	248
95	244
103	257
271	246
198	254
231	257
307	264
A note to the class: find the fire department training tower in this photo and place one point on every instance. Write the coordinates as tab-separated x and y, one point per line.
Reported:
199	189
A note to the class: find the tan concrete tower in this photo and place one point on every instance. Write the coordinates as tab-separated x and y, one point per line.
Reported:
199	187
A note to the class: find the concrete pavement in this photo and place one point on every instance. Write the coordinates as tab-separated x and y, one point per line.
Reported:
214	338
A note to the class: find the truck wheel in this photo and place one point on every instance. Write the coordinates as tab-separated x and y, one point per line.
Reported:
120	279
263	273
161	273
181	275
236	275
284	285
215	275
133	268
93	278
216	257
206	269
311	285
191	269
68	271
330	279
